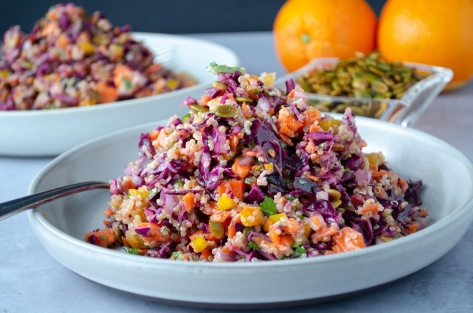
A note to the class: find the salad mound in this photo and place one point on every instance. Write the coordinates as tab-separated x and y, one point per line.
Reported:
70	59
253	173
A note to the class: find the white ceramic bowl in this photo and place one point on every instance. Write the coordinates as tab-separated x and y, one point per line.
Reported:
61	225
51	132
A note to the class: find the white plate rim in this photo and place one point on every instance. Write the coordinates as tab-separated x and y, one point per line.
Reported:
37	219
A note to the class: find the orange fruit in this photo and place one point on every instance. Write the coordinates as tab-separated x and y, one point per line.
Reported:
435	32
306	29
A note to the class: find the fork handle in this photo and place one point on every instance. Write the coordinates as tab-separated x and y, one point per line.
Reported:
15	206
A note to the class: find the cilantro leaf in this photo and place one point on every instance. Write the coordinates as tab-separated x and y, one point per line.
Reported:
186	118
152	193
127	83
298	250
177	255
216	68
253	245
268	207
132	250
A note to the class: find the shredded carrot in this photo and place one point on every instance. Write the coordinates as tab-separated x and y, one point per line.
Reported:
412	228
288	124
106	92
189	201
231	230
315	128
220	216
347	239
154	134
228	251
108	212
236	186
204	100
62	41
378	174
252	95
286	140
370	207
292	226
424	212
52	15
324	233
153	68
286	240
121	72
275	238
235	139
241	170
312	177
310	116
246	110
104	237
206	253
291	93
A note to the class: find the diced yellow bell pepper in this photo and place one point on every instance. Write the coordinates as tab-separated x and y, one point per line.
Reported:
226	203
173	84
327	124
268	79
266	224
307	229
277	217
142	192
374	158
116	51
251	216
199	244
87	47
3	73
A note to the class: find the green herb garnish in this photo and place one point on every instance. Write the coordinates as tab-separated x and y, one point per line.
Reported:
253	245
298	250
164	230
131	251
215	68
103	237
301	181
249	180
177	255
186	118
127	83
269	207
178	184
152	193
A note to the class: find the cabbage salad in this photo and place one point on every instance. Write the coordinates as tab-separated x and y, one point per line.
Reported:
253	173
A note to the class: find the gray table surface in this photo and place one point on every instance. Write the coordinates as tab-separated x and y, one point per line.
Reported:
32	281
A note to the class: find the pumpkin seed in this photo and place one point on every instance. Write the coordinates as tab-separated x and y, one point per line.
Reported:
370	74
243	99
226	110
219	85
364	76
198	108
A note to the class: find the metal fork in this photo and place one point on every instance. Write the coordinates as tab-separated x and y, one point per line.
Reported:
164	55
15	206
